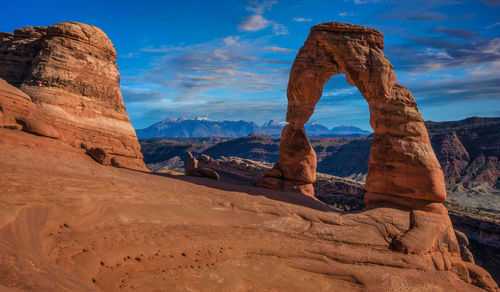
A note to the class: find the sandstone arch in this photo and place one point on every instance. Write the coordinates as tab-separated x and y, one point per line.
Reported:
403	167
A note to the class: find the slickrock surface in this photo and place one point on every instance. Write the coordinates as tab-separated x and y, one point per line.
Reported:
70	224
347	195
69	70
402	162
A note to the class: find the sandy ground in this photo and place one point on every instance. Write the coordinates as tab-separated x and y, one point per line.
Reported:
70	224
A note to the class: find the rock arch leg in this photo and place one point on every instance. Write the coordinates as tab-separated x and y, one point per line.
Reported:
403	168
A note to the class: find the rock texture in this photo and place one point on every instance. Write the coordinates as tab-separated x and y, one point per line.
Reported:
17	111
69	70
468	150
403	167
114	229
349	157
192	168
100	155
463	242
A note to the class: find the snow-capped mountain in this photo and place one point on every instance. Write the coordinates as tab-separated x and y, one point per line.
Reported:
204	127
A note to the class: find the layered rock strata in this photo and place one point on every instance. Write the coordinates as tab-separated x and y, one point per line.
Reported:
69	70
403	168
17	111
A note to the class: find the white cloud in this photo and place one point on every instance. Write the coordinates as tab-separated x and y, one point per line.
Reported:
259	8
439	54
280	50
199	77
226	66
493	25
340	91
231	40
301	19
151	49
129	55
221	55
231	72
280	29
344	14
257	21
489	69
254	23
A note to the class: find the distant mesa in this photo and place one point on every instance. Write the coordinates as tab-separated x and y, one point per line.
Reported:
204	127
70	83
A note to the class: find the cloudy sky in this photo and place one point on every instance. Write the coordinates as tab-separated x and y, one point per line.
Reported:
229	60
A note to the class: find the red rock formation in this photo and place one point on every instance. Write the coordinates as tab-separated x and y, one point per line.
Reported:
69	70
193	169
402	163
17	111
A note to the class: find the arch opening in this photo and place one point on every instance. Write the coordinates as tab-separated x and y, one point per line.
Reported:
342	106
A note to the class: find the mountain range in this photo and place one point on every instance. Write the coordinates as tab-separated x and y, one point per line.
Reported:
204	127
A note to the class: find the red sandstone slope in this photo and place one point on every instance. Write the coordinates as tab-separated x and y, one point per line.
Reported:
66	221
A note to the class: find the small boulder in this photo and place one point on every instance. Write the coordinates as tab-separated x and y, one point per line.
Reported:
127	162
205	172
100	155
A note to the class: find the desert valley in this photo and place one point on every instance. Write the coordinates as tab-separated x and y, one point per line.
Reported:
88	203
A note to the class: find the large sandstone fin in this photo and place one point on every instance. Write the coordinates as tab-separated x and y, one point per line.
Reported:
69	70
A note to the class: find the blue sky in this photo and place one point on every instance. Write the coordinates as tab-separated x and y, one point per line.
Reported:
229	60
